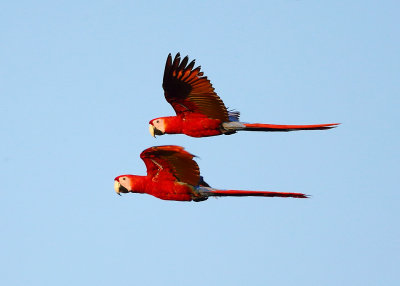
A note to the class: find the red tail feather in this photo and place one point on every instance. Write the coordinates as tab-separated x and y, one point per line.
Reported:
285	128
238	193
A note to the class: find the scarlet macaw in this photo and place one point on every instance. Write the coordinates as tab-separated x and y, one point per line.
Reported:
199	110
172	174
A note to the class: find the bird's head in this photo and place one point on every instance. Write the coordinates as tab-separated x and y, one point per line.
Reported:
123	184
157	127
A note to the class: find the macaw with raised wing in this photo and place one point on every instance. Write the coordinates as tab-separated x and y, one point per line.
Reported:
199	110
172	174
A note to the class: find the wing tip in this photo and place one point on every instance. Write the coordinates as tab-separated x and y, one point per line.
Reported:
171	148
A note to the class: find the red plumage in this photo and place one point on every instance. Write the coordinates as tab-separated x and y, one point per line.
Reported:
172	174
200	112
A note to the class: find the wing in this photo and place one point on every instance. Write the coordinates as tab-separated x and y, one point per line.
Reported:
187	90
171	163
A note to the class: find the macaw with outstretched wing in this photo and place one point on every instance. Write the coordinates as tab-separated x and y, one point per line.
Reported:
172	174
199	110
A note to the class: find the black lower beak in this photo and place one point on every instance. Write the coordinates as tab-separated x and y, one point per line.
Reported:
158	132
122	189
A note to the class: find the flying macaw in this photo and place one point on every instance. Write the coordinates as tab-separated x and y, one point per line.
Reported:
199	110
172	174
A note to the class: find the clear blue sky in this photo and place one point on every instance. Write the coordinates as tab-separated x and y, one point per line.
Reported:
79	81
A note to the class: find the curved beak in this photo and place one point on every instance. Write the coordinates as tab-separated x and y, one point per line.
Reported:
152	130
117	186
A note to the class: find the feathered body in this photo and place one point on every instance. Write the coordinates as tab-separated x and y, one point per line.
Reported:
194	125
200	112
162	189
172	174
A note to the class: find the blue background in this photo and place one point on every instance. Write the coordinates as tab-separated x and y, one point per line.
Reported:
79	81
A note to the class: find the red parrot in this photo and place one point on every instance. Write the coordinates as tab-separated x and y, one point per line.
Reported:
199	110
172	174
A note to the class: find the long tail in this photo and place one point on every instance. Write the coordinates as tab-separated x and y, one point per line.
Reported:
238	193
285	128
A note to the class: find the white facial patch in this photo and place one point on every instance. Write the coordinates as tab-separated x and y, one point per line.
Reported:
159	124
124	181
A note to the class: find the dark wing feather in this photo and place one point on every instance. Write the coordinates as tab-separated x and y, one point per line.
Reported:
188	90
171	163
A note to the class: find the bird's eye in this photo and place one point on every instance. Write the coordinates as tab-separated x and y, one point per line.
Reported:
123	178
157	121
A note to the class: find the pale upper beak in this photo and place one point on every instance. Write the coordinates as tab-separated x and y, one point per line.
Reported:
152	130
117	185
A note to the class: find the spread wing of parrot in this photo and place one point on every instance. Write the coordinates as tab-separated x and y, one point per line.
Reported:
172	174
199	110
